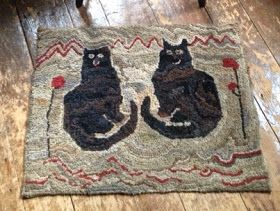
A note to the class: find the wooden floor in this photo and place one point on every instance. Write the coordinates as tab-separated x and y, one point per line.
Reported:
259	22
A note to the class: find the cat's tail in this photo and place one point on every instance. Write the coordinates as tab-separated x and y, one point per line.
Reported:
97	144
182	130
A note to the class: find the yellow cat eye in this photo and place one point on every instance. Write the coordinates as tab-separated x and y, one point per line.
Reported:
169	52
91	56
179	52
100	55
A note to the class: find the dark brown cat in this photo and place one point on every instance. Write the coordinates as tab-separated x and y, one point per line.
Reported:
187	96
94	105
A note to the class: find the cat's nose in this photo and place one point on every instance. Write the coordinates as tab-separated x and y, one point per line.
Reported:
95	62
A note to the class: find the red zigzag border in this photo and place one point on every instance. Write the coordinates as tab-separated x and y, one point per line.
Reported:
73	44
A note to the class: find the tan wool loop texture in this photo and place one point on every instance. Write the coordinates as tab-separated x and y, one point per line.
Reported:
140	110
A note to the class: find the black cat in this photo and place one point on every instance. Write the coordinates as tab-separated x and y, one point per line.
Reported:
188	97
93	106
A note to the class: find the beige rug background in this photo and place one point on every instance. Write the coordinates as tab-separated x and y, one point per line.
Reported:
145	150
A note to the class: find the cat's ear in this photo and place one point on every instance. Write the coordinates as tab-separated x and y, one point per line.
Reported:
165	44
105	50
184	43
85	51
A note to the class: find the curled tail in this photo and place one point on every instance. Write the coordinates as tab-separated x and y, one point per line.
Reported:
87	142
179	131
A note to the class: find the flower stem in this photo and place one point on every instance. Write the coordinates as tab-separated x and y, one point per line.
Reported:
48	122
240	103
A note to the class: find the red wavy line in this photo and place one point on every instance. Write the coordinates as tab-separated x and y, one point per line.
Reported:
245	181
124	168
64	46
217	158
102	174
206	172
211	37
61	178
105	173
165	180
137	38
63	54
55	48
149	42
41	181
80	173
65	167
174	170
209	171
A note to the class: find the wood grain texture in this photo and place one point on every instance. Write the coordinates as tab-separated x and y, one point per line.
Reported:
179	11
45	14
105	202
91	13
213	201
167	201
263	68
261	201
16	69
266	17
128	12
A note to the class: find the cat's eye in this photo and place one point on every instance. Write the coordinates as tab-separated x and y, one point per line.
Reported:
91	56
100	55
169	52
179	52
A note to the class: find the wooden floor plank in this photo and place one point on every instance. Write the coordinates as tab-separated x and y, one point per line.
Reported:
266	17
45	14
178	11
120	12
105	203
263	68
261	201
91	13
16	68
167	201
213	201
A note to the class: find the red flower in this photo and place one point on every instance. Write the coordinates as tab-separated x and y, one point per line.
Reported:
58	82
230	62
232	86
